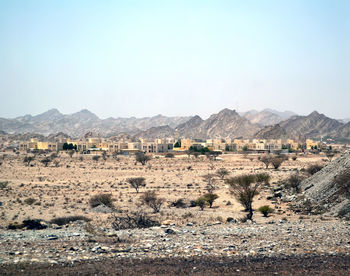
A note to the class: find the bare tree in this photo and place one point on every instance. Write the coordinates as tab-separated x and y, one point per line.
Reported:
137	182
245	188
211	182
222	173
266	160
151	199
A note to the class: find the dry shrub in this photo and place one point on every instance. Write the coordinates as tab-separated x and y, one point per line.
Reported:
151	199
69	219
101	199
133	220
314	168
342	182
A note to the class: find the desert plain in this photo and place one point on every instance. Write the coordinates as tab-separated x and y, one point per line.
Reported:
66	185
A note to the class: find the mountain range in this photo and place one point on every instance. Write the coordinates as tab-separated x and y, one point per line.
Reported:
267	124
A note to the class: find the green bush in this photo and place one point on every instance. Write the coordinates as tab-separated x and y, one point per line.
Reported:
265	210
210	198
201	202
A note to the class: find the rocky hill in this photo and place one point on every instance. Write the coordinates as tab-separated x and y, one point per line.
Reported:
325	191
271	132
314	125
156	132
267	116
77	124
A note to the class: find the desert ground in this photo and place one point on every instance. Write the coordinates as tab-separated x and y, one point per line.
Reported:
64	188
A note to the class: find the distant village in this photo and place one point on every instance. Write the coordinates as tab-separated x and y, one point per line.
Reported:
101	145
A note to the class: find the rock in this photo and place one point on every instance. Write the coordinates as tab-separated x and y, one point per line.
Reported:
168	222
278	194
52	237
170	231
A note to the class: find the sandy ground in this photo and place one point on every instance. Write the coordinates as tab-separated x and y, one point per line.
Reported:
65	190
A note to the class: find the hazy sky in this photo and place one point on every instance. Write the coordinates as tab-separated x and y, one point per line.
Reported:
142	58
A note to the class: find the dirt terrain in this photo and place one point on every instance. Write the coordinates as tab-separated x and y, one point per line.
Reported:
186	241
65	190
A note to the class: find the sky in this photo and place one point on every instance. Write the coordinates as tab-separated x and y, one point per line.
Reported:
176	58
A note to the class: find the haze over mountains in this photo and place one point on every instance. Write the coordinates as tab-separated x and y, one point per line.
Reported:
267	124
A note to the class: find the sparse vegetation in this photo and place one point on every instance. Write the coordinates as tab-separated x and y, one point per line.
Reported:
179	203
142	158
266	159
28	160
3	184
266	210
151	199
210	198
222	173
211	182
342	182
245	188
96	158
201	202
133	220
137	183
101	199
294	181
314	168
277	161
66	220
29	200
46	161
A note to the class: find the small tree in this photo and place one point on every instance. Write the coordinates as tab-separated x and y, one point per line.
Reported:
71	153
142	158
294	181
104	156
28	159
222	173
245	188
96	158
265	210
169	155
201	202
46	161
137	182
211	182
210	198
56	163
266	160
330	155
277	162
151	199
